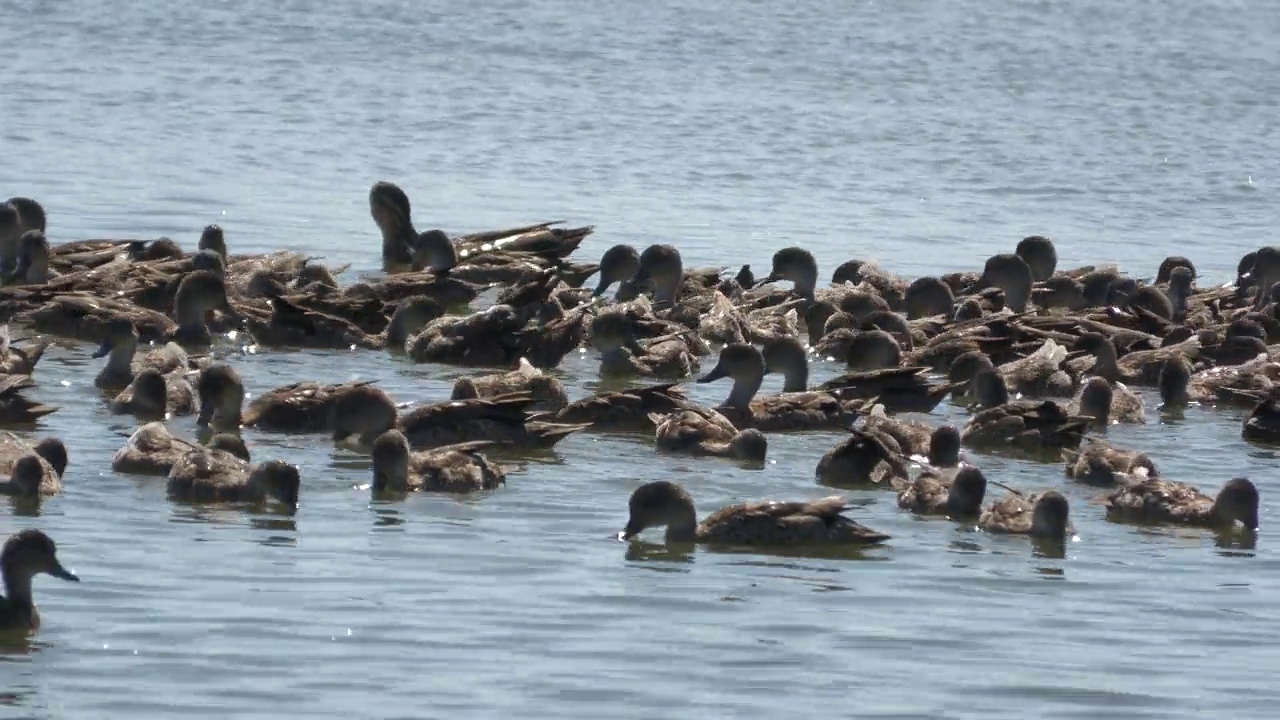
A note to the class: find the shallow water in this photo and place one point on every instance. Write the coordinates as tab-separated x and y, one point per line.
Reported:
926	135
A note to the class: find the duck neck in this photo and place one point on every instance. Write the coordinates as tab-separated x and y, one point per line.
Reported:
17	589
796	377
38	270
806	284
684	526
743	392
666	288
1106	361
120	360
1178	298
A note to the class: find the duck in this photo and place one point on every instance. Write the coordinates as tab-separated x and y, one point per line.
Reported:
16	408
302	407
120	344
818	522
360	417
458	468
1107	403
1179	386
939	446
626	410
792	410
956	495
212	475
1100	463
621	354
153	450
85	316
32	266
1263	422
52	449
1043	515
26	554
899	389
547	391
1022	425
31	476
862	458
1140	367
283	323
702	431
486	338
1159	501
863	350
155	396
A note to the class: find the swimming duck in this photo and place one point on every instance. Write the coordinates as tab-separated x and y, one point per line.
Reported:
940	445
614	337
863	458
15	407
548	392
31	476
899	389
25	555
1236	383
1100	463
211	475
957	495
1024	425
154	396
1045	515
1107	403
486	338
1140	367
12	447
1263	423
703	431
459	468
1162	501
504	419
624	410
792	410
119	346
819	522
283	323
153	450
304	407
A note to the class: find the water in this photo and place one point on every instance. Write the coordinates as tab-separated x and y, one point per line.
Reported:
927	135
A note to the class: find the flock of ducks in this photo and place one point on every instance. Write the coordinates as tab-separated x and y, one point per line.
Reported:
1044	357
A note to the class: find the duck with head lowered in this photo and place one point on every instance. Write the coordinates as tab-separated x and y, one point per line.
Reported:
1023	426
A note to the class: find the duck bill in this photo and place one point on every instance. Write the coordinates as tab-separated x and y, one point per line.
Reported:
631	530
716	373
103	350
62	573
771	278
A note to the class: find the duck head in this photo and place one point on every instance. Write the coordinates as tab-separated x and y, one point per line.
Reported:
611	333
745	365
944	447
199	293
966	367
1265	272
26	474
967	492
787	356
54	452
212	238
209	260
1061	291
147	395
989	388
968	310
861	304
391	462
619	263
278	480
436	252
662	267
1101	347
409	318
1050	517
1011	274
797	265
1165	273
892	323
32	266
25	555
230	443
926	297
362	414
815	320
221	394
1095	400
1237	501
749	445
873	350
1040	255
661	504
119	342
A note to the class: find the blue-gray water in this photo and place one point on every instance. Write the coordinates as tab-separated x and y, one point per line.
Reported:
925	134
